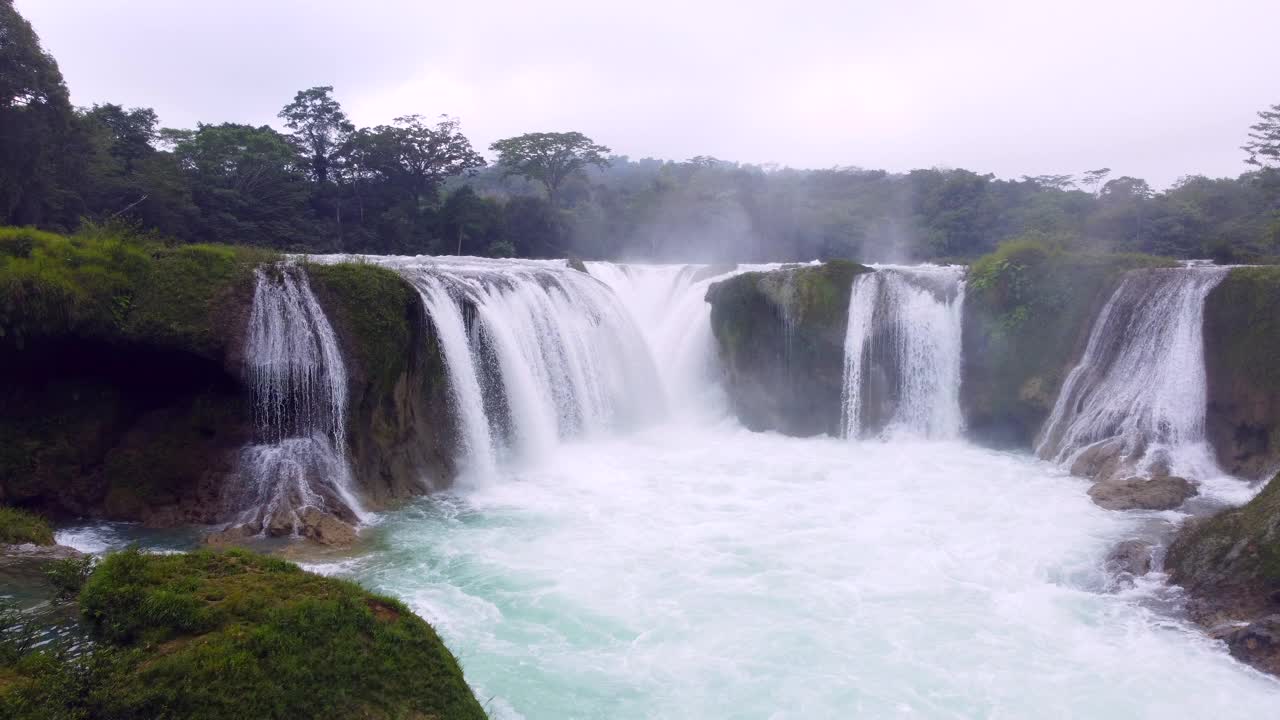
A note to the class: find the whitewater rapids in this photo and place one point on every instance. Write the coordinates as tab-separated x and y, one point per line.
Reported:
710	572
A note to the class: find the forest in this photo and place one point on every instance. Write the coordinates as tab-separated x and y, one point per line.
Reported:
317	183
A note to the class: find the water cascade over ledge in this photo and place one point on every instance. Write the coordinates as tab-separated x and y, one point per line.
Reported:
902	353
1136	401
535	352
299	384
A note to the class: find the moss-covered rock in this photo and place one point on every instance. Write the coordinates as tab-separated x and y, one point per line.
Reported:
780	336
1242	360
1027	316
400	429
1230	567
122	395
218	635
19	527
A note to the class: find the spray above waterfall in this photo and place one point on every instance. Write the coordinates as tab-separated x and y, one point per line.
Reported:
902	353
1137	399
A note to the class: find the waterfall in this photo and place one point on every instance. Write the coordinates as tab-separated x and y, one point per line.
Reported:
669	304
535	352
902	352
1138	394
299	385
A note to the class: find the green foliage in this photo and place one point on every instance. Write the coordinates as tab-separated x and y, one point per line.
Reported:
69	575
216	635
549	158
19	527
109	283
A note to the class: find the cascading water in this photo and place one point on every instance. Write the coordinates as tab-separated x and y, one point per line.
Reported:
1138	392
903	351
299	386
669	304
535	352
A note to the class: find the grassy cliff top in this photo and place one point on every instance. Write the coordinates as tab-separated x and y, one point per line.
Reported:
234	634
109	284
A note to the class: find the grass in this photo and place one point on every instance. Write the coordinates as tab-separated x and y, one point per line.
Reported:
19	527
108	283
217	635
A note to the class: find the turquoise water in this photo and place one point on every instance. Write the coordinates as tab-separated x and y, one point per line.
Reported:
716	573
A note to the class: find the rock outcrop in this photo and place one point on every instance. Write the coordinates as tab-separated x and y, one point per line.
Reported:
1027	316
400	428
1163	492
121	397
781	336
1242	344
1229	565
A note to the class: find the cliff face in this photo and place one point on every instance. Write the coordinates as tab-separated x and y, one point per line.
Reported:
400	428
124	397
121	395
1027	316
781	341
1242	360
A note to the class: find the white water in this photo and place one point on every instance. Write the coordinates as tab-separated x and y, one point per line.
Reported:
536	353
1141	381
716	573
299	386
907	319
691	569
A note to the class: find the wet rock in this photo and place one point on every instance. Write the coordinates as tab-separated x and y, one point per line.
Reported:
325	529
1257	644
1136	493
1131	557
1101	461
235	535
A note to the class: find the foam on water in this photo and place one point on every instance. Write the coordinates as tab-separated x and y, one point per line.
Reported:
718	573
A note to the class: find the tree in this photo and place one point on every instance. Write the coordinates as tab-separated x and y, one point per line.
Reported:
1052	182
1264	140
41	151
319	126
413	155
248	183
1093	179
549	158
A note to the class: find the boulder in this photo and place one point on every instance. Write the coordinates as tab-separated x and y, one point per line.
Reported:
1136	493
324	528
1130	558
234	535
1257	644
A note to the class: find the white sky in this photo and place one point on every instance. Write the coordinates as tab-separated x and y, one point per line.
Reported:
1155	89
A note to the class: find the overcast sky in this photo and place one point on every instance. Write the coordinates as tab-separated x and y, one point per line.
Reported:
1156	89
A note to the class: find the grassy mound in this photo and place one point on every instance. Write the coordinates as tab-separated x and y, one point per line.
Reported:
18	527
219	635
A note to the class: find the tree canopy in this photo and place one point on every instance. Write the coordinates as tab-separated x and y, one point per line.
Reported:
549	158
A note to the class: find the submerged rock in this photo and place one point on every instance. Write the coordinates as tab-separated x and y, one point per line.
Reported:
1130	557
1136	493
